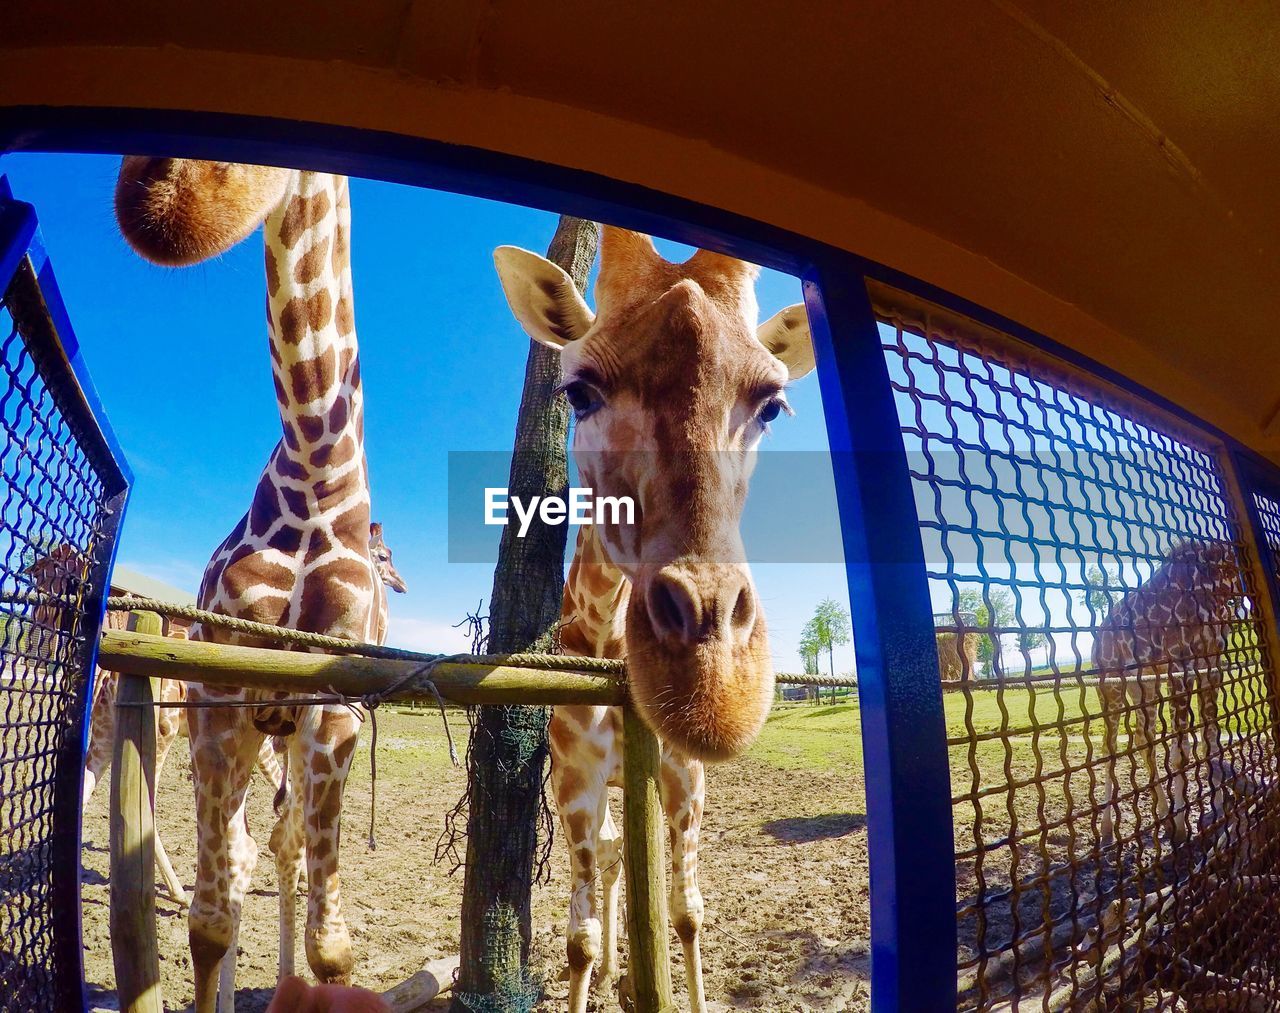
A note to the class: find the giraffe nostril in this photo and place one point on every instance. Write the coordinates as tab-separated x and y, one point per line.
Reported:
673	609
744	610
664	610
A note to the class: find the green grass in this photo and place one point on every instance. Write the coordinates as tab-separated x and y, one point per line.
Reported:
811	736
819	736
412	743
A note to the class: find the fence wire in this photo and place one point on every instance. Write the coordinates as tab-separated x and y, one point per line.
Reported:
1112	730
54	530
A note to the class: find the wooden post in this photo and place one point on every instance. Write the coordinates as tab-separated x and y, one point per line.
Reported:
133	873
649	967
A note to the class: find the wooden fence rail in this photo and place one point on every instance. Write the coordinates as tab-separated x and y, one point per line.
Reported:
140	655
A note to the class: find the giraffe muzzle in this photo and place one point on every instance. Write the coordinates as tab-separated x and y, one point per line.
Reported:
698	661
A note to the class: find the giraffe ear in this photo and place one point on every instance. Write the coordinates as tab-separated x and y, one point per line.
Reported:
786	335
543	298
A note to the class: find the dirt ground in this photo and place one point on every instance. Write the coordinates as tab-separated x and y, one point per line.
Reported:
783	873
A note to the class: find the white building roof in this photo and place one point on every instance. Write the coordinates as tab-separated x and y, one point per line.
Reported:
132	582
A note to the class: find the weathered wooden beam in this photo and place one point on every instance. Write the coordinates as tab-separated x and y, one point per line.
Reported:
297	672
649	965
133	872
416	993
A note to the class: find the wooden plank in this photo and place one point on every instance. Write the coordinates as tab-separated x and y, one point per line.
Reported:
649	966
133	873
295	671
418	992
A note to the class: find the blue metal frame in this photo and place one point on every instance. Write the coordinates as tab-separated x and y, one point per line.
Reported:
909	825
1258	475
913	882
908	786
20	240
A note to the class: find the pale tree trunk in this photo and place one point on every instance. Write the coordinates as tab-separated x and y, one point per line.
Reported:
508	754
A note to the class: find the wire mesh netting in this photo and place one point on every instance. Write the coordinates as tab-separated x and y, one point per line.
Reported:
55	532
1110	717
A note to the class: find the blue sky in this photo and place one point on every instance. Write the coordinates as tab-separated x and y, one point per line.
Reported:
179	358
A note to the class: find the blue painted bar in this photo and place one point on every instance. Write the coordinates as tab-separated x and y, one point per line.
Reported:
1259	475
17	227
909	819
67	379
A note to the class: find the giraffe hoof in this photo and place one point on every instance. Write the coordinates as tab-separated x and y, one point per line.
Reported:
604	981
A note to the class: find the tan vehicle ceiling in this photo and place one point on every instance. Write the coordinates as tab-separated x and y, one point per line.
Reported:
1105	173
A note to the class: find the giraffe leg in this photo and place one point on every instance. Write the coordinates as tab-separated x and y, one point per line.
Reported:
1112	705
287	844
579	800
609	856
102	732
1208	685
683	785
1180	752
326	744
269	767
166	732
1143	741
226	856
244	856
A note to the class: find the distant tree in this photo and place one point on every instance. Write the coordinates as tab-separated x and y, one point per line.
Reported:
37	550
1097	596
992	610
1029	640
809	656
828	629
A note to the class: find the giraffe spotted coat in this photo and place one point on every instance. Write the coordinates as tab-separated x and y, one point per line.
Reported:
1164	641
298	558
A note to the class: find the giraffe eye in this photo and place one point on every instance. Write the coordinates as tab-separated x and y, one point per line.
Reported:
583	399
772	408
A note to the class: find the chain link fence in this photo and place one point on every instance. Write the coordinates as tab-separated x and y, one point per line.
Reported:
1117	821
59	509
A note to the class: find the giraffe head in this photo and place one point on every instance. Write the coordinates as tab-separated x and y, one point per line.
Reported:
672	385
58	570
380	553
179	211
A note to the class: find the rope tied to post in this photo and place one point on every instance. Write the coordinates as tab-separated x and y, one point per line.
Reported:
358	704
368	702
371	702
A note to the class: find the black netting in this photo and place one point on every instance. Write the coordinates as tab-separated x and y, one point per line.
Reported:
1109	689
55	537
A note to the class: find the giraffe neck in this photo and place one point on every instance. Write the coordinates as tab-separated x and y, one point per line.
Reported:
594	612
310	313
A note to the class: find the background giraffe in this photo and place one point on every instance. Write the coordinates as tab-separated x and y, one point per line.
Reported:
299	557
672	386
1171	631
53	574
171	722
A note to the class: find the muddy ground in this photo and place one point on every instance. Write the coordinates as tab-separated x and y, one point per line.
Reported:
783	859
